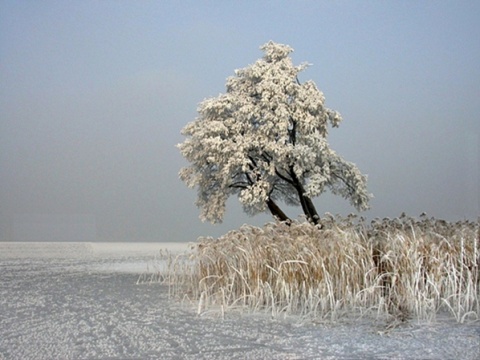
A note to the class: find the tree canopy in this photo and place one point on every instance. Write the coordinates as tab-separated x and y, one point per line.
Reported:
265	140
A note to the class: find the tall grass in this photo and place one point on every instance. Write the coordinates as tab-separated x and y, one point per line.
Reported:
404	268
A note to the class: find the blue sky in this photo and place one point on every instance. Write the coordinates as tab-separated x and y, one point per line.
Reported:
93	95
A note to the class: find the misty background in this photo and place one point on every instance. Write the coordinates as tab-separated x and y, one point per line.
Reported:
94	94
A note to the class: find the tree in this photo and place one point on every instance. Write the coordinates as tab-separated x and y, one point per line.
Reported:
264	140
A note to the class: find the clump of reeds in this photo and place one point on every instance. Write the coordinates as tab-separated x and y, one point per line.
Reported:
402	267
170	268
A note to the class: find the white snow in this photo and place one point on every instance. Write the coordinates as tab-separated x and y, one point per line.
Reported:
82	301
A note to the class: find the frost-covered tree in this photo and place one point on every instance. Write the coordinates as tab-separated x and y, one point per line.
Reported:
264	140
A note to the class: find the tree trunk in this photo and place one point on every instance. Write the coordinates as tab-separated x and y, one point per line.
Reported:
307	204
312	211
303	202
277	212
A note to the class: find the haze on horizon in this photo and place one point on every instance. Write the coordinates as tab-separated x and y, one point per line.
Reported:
93	96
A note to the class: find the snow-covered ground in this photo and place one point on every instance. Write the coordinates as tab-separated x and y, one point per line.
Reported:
82	301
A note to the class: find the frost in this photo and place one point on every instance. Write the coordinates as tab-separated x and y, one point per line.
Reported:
265	140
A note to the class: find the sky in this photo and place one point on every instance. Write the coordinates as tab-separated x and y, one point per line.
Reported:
94	94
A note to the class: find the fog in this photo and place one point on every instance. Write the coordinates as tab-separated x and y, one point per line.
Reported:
93	96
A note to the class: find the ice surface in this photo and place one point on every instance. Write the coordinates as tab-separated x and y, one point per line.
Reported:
82	301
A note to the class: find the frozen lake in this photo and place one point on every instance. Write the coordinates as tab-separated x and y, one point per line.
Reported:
82	301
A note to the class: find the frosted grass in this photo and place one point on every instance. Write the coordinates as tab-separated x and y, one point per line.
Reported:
396	269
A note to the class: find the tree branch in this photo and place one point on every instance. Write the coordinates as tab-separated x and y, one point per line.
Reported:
293	132
283	177
350	188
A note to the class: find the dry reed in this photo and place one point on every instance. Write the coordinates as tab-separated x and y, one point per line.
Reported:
405	268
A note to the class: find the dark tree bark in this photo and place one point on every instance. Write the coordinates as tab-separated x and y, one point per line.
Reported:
307	204
277	212
312	210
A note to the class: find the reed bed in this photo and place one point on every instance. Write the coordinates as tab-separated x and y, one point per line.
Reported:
401	268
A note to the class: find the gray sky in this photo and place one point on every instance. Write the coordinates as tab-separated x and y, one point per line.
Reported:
93	95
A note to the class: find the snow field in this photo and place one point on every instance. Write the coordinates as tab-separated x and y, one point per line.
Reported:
79	304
